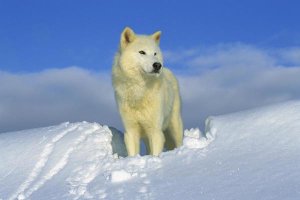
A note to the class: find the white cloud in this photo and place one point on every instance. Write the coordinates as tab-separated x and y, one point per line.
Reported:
54	96
228	78
290	56
214	80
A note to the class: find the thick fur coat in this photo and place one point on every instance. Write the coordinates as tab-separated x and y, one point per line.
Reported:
147	95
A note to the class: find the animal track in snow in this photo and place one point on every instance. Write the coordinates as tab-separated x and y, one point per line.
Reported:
35	179
44	156
88	171
62	162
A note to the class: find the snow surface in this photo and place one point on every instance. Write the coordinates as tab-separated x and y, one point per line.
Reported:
247	155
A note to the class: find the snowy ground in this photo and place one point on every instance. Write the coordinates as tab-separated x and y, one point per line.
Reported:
247	155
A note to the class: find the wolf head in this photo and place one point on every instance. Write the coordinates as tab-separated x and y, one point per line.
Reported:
140	53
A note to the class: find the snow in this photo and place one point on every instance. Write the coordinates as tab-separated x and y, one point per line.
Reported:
252	154
119	176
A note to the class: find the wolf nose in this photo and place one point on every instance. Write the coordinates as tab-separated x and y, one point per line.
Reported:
156	66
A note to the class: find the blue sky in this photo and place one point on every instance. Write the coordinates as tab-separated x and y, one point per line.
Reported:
37	35
56	56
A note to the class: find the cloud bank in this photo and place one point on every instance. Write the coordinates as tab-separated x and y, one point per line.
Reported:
233	77
213	81
54	96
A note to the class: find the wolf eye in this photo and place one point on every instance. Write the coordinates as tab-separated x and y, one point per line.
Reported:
155	54
142	52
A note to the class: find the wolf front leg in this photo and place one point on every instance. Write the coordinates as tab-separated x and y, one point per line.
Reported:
132	142
132	131
156	142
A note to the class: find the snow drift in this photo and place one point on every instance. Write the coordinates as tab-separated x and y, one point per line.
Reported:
247	155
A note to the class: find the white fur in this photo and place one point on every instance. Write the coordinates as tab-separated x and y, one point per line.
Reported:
149	103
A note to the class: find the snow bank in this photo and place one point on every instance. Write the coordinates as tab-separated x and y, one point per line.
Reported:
248	155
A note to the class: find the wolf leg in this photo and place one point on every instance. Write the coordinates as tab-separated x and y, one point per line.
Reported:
132	142
174	132
156	142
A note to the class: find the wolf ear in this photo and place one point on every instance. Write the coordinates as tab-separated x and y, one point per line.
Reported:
127	37
156	36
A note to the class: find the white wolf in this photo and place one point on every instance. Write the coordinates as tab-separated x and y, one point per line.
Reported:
147	94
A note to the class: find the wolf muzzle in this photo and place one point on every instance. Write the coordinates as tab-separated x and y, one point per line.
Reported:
156	67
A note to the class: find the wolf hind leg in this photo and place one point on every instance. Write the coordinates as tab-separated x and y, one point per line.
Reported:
174	133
